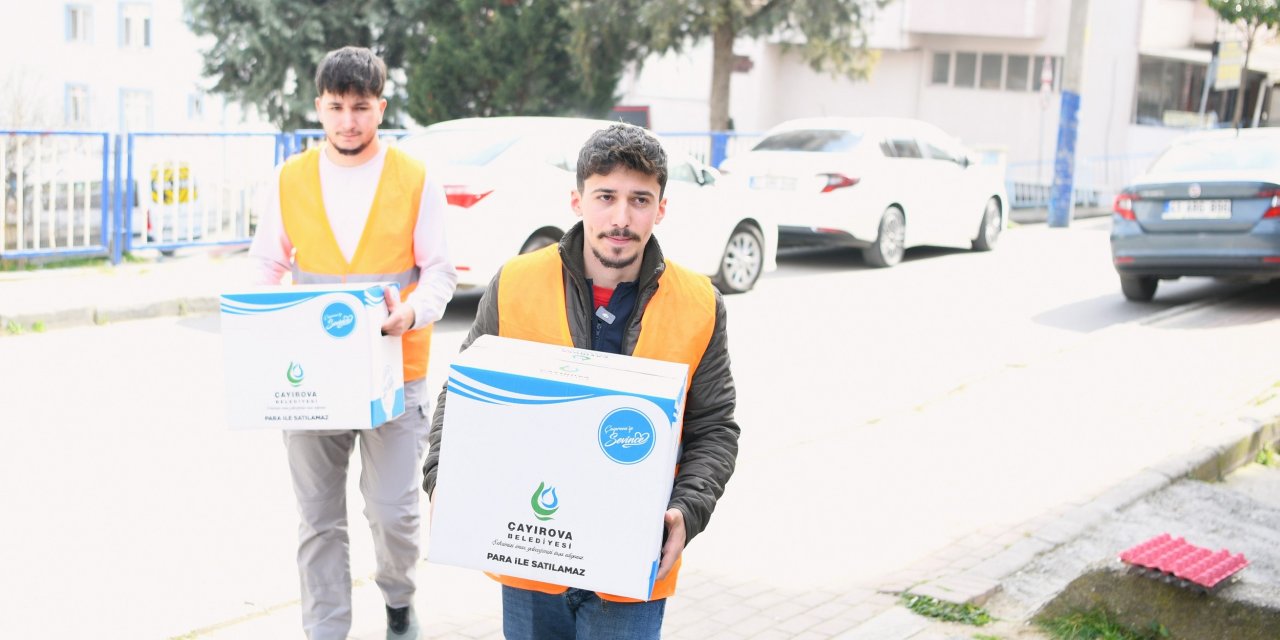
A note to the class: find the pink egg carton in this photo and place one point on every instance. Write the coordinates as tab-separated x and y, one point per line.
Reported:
1177	561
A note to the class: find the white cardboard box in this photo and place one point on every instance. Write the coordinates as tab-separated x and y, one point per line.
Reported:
556	464
310	357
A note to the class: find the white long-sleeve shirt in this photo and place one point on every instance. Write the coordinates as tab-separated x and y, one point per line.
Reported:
348	196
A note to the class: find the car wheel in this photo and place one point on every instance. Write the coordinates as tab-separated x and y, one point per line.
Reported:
989	232
537	241
889	246
742	262
1139	288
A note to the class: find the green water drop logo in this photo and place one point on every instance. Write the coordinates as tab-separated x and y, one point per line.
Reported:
294	374
544	502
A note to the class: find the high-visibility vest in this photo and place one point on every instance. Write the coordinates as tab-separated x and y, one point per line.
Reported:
676	327
385	252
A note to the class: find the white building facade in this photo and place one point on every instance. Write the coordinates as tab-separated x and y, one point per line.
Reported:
107	65
976	68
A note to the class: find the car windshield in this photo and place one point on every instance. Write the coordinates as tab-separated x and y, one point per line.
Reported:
471	147
820	140
1228	154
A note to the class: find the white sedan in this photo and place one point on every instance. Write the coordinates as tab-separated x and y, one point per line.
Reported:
880	184
508	182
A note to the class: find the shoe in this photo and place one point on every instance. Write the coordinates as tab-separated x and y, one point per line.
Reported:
402	624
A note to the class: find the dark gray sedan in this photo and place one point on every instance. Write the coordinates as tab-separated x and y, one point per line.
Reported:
1208	206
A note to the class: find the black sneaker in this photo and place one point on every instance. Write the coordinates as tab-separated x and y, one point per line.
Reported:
401	624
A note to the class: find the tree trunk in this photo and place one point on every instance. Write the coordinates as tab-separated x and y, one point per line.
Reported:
721	69
1244	77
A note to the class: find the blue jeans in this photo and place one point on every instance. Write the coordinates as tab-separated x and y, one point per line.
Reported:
577	615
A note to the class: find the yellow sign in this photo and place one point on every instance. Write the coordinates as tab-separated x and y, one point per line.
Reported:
1230	63
163	185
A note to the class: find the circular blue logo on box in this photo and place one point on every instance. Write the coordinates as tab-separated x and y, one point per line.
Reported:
338	320
626	436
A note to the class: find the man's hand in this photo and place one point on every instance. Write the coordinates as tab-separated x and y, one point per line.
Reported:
400	315
674	521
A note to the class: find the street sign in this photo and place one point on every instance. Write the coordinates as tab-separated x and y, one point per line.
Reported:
1230	63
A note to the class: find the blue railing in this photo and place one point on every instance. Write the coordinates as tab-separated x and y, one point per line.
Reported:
169	190
49	180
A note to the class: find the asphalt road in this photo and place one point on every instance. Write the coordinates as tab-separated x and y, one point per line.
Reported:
885	414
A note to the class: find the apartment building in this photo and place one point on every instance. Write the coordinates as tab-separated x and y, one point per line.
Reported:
990	72
113	65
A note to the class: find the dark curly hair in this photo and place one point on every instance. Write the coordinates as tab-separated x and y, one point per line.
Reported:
351	70
622	144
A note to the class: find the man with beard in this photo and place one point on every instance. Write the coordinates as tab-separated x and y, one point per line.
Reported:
607	287
356	210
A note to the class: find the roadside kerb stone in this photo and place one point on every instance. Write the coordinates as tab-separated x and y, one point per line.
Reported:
896	623
1010	560
59	319
104	315
1183	466
1131	490
963	588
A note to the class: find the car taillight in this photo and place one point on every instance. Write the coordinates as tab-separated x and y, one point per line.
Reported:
837	181
1273	207
463	196
1124	205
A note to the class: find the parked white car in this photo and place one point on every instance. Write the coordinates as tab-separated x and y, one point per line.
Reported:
508	182
879	184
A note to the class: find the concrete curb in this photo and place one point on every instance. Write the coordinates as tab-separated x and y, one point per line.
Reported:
1260	427
34	322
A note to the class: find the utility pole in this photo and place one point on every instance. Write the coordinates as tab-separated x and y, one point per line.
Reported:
1061	199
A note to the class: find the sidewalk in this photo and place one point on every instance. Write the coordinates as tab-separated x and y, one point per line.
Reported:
153	286
186	284
462	604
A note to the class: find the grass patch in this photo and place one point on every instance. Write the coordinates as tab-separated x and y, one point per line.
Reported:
947	611
40	264
1266	396
1097	625
1267	456
983	636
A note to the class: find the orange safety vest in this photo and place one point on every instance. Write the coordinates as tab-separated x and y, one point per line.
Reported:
385	252
676	327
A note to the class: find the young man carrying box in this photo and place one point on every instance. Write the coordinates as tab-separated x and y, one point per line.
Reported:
355	210
607	287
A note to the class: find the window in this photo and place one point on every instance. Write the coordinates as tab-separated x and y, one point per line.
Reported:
1010	72
135	26
1018	74
195	106
934	152
79	23
1169	93
992	71
682	172
966	69
1054	65
77	105
941	68
905	148
824	140
135	109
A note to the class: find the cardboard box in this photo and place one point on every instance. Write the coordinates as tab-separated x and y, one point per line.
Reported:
556	464
310	357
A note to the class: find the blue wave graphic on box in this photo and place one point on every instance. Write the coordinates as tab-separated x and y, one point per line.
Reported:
243	304
494	387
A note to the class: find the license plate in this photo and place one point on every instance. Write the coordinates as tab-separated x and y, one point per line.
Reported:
773	183
1197	210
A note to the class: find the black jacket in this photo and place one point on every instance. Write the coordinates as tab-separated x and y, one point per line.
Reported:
709	443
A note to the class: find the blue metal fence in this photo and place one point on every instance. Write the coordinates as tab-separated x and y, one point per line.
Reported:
72	193
55	193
